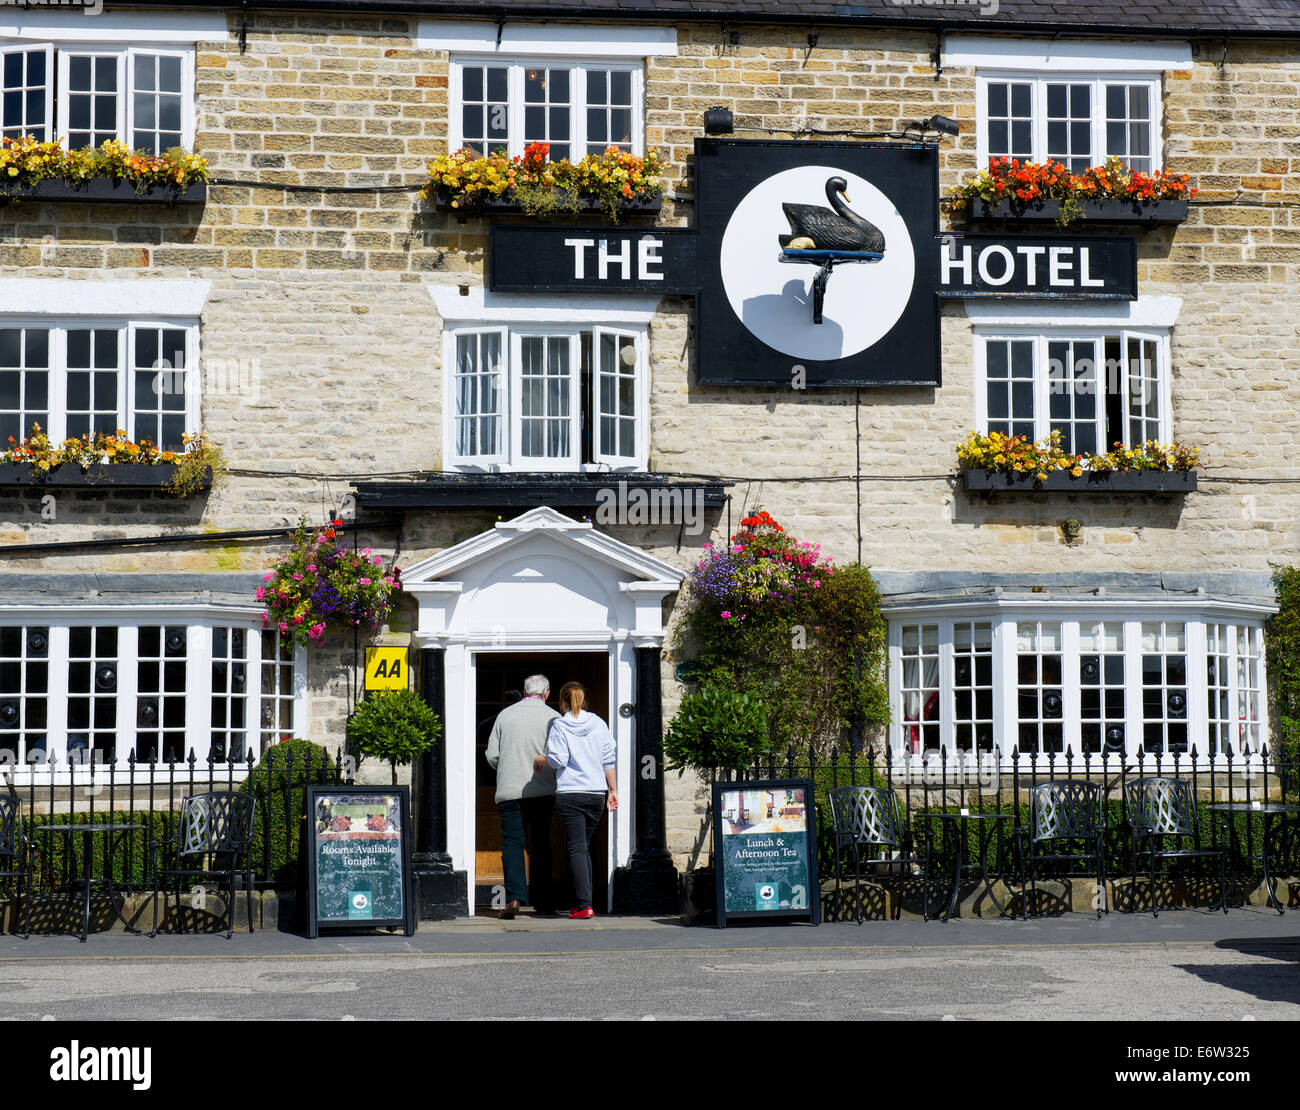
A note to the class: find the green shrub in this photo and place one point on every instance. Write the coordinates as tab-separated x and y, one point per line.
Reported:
717	727
279	783
396	726
1282	640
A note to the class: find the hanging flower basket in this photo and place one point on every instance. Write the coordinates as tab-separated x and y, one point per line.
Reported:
321	584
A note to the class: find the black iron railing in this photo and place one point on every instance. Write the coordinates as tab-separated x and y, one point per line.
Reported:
149	795
941	780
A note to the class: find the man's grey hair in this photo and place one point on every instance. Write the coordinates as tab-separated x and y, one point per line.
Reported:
535	685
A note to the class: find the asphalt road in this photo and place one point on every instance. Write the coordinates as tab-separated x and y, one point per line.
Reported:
1183	966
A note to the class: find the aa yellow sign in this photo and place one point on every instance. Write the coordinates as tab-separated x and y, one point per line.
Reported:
386	668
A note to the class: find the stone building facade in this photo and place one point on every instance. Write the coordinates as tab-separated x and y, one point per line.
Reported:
318	298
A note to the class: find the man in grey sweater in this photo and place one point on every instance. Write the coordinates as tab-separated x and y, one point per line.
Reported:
525	796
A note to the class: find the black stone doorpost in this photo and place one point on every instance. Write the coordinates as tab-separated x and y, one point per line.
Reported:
648	885
439	888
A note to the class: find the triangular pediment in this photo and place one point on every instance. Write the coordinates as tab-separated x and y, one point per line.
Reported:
543	529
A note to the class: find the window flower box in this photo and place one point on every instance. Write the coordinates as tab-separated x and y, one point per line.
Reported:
113	171
134	476
1144	212
1062	481
443	198
1114	193
611	183
54	190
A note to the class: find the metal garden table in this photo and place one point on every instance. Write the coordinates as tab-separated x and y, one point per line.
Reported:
954	829
1267	810
88	833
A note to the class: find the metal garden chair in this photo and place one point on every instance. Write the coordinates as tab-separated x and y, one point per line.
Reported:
212	840
1063	814
16	856
868	823
1164	809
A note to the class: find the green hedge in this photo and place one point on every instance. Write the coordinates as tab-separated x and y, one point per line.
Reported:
279	783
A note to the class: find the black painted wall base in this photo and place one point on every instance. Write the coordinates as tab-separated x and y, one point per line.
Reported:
648	887
440	894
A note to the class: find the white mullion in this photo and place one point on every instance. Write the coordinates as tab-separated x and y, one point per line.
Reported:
1257	664
1198	700
577	112
895	664
1038	98
574	459
516	409
1133	688
1156	128
1042	390
515	98
947	696
1164	388
56	708
1101	395
1005	716
127	388
981	369
1097	122
192	381
1071	697
58	385
123	371
198	692
128	675
456	102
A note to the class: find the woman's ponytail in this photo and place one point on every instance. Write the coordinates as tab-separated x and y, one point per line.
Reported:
573	696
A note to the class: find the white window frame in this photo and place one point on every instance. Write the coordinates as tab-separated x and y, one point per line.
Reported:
511	457
1041	338
7	48
1038	109
517	66
58	62
58	328
199	622
1005	617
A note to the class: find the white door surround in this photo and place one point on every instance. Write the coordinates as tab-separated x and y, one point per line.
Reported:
540	582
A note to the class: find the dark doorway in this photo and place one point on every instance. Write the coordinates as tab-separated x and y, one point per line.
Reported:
500	682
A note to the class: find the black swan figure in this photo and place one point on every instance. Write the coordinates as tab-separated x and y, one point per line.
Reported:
839	230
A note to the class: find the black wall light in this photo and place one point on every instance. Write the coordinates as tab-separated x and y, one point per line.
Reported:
719	121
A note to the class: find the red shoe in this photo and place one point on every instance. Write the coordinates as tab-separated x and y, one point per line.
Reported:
578	915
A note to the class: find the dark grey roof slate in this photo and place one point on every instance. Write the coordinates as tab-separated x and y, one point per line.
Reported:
1163	17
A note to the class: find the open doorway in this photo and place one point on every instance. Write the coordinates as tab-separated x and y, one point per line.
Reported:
499	682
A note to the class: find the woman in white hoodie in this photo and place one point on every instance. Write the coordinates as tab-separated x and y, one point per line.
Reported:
580	749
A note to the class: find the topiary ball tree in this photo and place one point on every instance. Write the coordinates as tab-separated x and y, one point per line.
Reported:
717	727
393	725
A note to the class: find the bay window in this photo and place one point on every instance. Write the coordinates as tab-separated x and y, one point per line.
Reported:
1054	680
139	95
578	107
77	377
149	687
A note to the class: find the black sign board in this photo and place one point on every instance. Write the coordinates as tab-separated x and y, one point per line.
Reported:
765	850
359	858
1064	267
812	263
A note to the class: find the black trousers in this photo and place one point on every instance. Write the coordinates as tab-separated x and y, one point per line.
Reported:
534	815
580	814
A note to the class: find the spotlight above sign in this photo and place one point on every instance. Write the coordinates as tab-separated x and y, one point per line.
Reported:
810	260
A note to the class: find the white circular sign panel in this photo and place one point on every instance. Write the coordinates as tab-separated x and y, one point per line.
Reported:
773	299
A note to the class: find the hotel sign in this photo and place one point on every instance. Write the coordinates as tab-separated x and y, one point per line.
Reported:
820	262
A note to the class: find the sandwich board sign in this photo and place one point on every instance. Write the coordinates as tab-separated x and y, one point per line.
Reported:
359	858
764	850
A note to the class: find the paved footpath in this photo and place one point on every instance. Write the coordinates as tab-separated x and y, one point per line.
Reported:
1183	965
